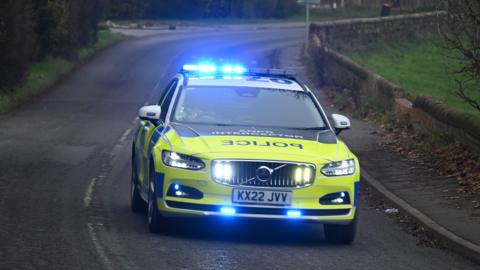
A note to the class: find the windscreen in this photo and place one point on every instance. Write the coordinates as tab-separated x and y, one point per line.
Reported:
247	106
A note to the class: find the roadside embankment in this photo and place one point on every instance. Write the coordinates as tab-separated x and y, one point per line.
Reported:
370	91
419	191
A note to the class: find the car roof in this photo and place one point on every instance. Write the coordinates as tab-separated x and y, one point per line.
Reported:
274	82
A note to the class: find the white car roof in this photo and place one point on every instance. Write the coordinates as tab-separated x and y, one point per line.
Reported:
246	81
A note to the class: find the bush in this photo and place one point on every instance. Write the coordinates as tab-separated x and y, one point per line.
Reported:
193	9
33	29
16	40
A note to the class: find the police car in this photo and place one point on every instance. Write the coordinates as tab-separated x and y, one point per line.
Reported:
243	143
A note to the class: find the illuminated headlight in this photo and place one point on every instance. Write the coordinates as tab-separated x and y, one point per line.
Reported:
303	174
222	171
339	168
182	161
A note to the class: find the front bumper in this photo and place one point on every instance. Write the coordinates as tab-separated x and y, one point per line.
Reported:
216	197
181	209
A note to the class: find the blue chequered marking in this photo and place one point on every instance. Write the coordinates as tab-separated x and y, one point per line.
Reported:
159	180
356	193
157	134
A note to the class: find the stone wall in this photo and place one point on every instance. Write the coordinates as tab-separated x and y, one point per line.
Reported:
346	33
371	91
406	4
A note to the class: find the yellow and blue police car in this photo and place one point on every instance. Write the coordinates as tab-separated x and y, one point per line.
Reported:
243	143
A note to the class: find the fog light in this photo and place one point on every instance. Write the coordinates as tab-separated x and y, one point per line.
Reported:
335	198
181	191
228	210
338	201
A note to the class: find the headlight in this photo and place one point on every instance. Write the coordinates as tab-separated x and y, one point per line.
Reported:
183	161
303	174
339	168
222	171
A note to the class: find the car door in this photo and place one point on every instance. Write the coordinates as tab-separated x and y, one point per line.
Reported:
148	129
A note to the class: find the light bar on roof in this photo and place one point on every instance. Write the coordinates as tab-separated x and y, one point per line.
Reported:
235	70
207	68
200	68
273	71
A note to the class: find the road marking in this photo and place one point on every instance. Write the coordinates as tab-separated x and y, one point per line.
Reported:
87	200
98	247
157	85
155	88
104	172
125	134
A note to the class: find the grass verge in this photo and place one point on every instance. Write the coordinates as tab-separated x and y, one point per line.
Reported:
420	67
47	72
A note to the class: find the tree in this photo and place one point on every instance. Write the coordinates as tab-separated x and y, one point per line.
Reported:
16	40
129	9
32	29
286	8
460	29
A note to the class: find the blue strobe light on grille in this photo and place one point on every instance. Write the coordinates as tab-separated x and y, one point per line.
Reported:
228	211
294	213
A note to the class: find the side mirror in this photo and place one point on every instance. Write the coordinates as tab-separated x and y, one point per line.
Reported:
340	123
150	113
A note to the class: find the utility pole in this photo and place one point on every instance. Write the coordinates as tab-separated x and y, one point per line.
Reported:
307	24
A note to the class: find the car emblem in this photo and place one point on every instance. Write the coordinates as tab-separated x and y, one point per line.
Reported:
264	173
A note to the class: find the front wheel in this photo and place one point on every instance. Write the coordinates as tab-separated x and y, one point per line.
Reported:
340	234
155	220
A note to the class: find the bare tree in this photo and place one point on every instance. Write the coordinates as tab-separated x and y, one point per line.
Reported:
460	29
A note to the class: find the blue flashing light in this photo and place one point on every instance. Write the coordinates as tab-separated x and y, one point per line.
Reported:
208	68
200	68
177	186
239	70
233	69
228	211
294	213
227	69
342	194
190	68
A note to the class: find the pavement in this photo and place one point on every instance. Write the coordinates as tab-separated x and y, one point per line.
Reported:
65	175
418	190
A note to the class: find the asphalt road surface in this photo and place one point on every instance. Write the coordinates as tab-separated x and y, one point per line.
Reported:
65	172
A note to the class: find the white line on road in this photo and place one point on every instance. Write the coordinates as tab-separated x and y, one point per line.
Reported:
125	134
98	247
87	200
103	174
155	88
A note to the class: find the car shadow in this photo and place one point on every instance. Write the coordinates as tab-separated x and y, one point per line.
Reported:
231	229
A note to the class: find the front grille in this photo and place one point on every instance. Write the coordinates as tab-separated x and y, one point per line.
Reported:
248	173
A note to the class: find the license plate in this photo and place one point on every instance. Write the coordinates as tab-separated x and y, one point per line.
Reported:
271	197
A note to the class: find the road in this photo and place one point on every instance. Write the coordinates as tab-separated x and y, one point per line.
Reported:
65	172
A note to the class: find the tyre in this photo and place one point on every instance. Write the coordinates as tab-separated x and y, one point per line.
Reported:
155	220
340	234
137	204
